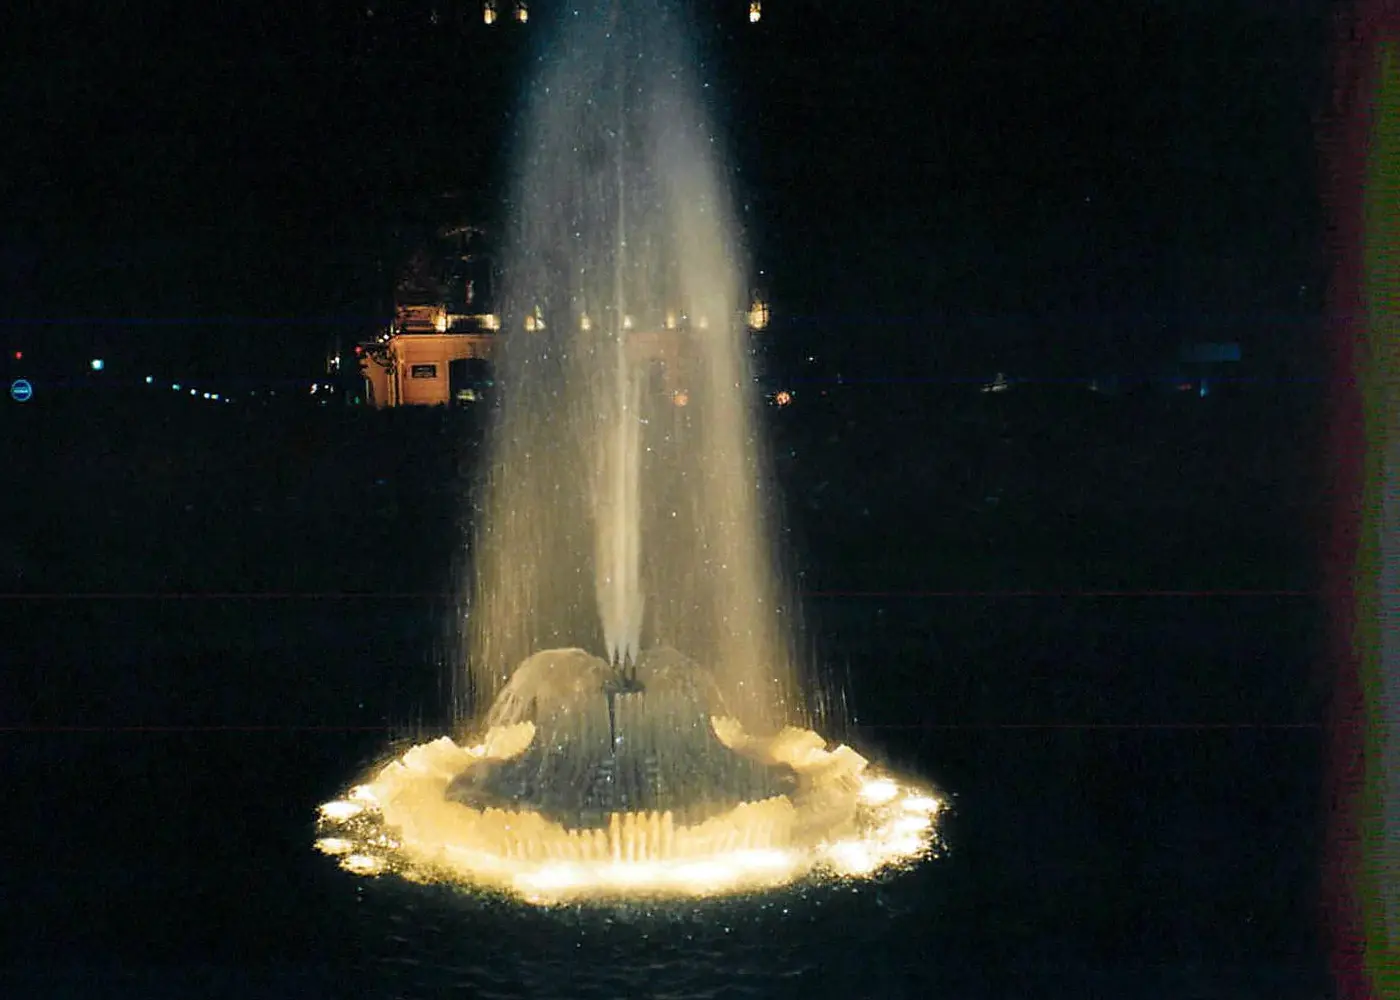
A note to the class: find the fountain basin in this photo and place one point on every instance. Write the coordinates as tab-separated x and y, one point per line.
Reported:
443	811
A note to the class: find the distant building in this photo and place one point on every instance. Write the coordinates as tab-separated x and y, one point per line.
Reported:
417	369
1203	366
449	361
445	331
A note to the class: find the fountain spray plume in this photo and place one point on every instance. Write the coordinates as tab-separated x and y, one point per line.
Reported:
615	520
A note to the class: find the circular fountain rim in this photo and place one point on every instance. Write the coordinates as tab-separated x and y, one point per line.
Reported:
372	832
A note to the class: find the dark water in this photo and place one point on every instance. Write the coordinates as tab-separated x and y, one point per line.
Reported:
1126	723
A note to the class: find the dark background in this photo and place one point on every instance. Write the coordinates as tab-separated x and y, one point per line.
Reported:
1091	619
928	186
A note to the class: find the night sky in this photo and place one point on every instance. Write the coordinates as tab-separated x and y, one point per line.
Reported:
930	186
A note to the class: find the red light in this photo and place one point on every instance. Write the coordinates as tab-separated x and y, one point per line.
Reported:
19	355
359	349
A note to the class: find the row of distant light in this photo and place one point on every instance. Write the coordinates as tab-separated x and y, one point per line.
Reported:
757	318
98	364
520	10
215	397
177	387
781	398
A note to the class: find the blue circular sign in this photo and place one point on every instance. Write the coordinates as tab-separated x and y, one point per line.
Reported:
21	390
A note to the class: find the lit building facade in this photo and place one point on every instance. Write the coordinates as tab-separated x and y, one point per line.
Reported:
425	369
438	349
431	357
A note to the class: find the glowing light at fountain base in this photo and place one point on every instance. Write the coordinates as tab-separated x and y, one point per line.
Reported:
844	822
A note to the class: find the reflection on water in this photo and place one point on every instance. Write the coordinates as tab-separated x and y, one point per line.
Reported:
819	939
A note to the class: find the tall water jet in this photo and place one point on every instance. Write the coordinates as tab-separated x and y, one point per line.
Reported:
615	519
617	522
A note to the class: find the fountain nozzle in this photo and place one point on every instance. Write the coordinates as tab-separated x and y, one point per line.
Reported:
624	676
623	681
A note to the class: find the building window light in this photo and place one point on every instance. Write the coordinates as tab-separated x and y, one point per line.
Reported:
758	314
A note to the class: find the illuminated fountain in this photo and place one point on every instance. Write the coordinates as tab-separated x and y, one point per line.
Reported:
619	521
